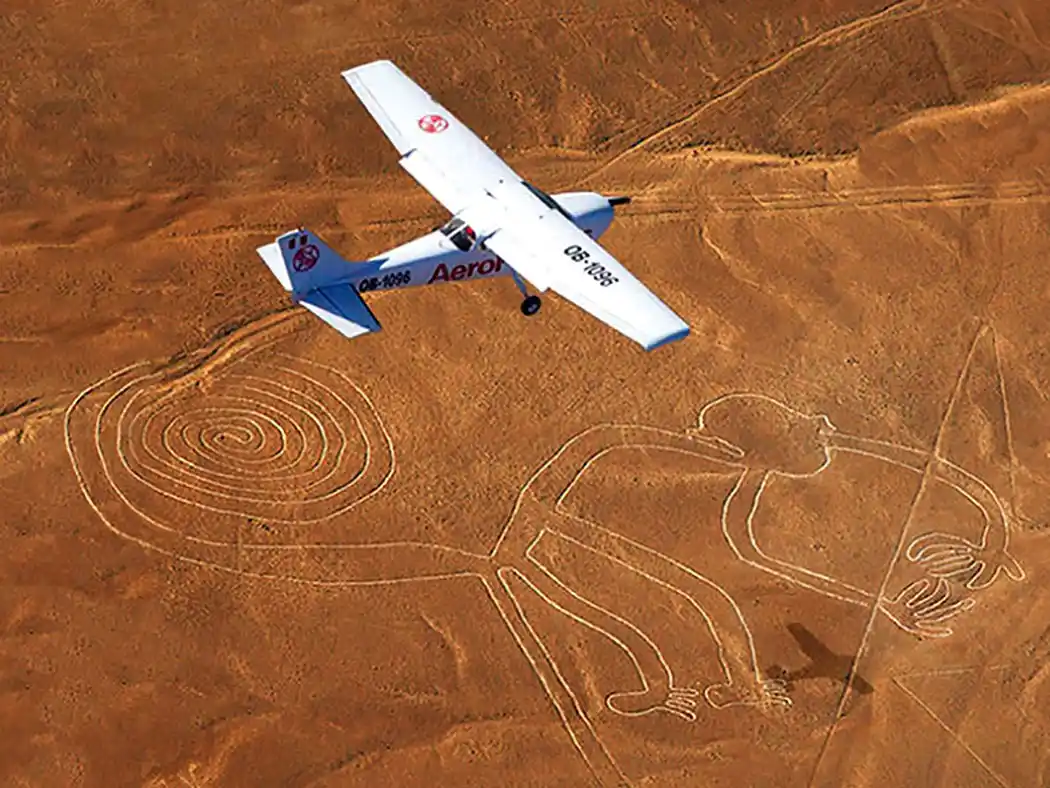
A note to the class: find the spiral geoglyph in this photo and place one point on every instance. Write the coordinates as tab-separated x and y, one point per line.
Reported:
230	456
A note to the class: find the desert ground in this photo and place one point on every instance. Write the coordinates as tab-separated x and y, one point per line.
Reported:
807	547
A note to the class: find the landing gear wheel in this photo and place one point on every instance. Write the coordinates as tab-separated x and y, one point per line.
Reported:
531	305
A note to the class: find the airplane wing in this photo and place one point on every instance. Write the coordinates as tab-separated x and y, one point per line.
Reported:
580	270
444	156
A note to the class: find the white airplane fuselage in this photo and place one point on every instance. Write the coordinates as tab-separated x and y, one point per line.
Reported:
433	258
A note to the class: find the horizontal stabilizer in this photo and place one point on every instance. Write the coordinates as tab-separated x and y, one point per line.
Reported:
271	255
341	308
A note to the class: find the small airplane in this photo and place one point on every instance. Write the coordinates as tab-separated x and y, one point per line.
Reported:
501	225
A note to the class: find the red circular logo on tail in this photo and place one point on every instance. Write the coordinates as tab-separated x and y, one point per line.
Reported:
432	124
306	258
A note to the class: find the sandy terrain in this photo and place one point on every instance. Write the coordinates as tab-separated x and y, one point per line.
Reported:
241	551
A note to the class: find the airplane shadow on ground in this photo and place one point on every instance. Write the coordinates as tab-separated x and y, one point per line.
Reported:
823	663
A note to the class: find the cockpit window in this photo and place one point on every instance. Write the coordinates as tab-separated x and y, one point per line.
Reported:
451	226
547	200
457	231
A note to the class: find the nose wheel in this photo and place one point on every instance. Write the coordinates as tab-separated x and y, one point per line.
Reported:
531	305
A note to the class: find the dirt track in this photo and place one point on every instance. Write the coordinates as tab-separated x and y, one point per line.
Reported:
241	551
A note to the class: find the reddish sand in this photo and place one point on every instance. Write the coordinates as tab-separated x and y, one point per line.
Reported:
243	551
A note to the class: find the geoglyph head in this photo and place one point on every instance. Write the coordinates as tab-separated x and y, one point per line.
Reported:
768	434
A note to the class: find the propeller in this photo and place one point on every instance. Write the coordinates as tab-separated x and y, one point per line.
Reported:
614	201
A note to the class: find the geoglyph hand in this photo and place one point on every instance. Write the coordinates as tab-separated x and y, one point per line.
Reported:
680	701
953	558
766	693
922	606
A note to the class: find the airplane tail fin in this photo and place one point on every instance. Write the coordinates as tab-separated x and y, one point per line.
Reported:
317	277
302	262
